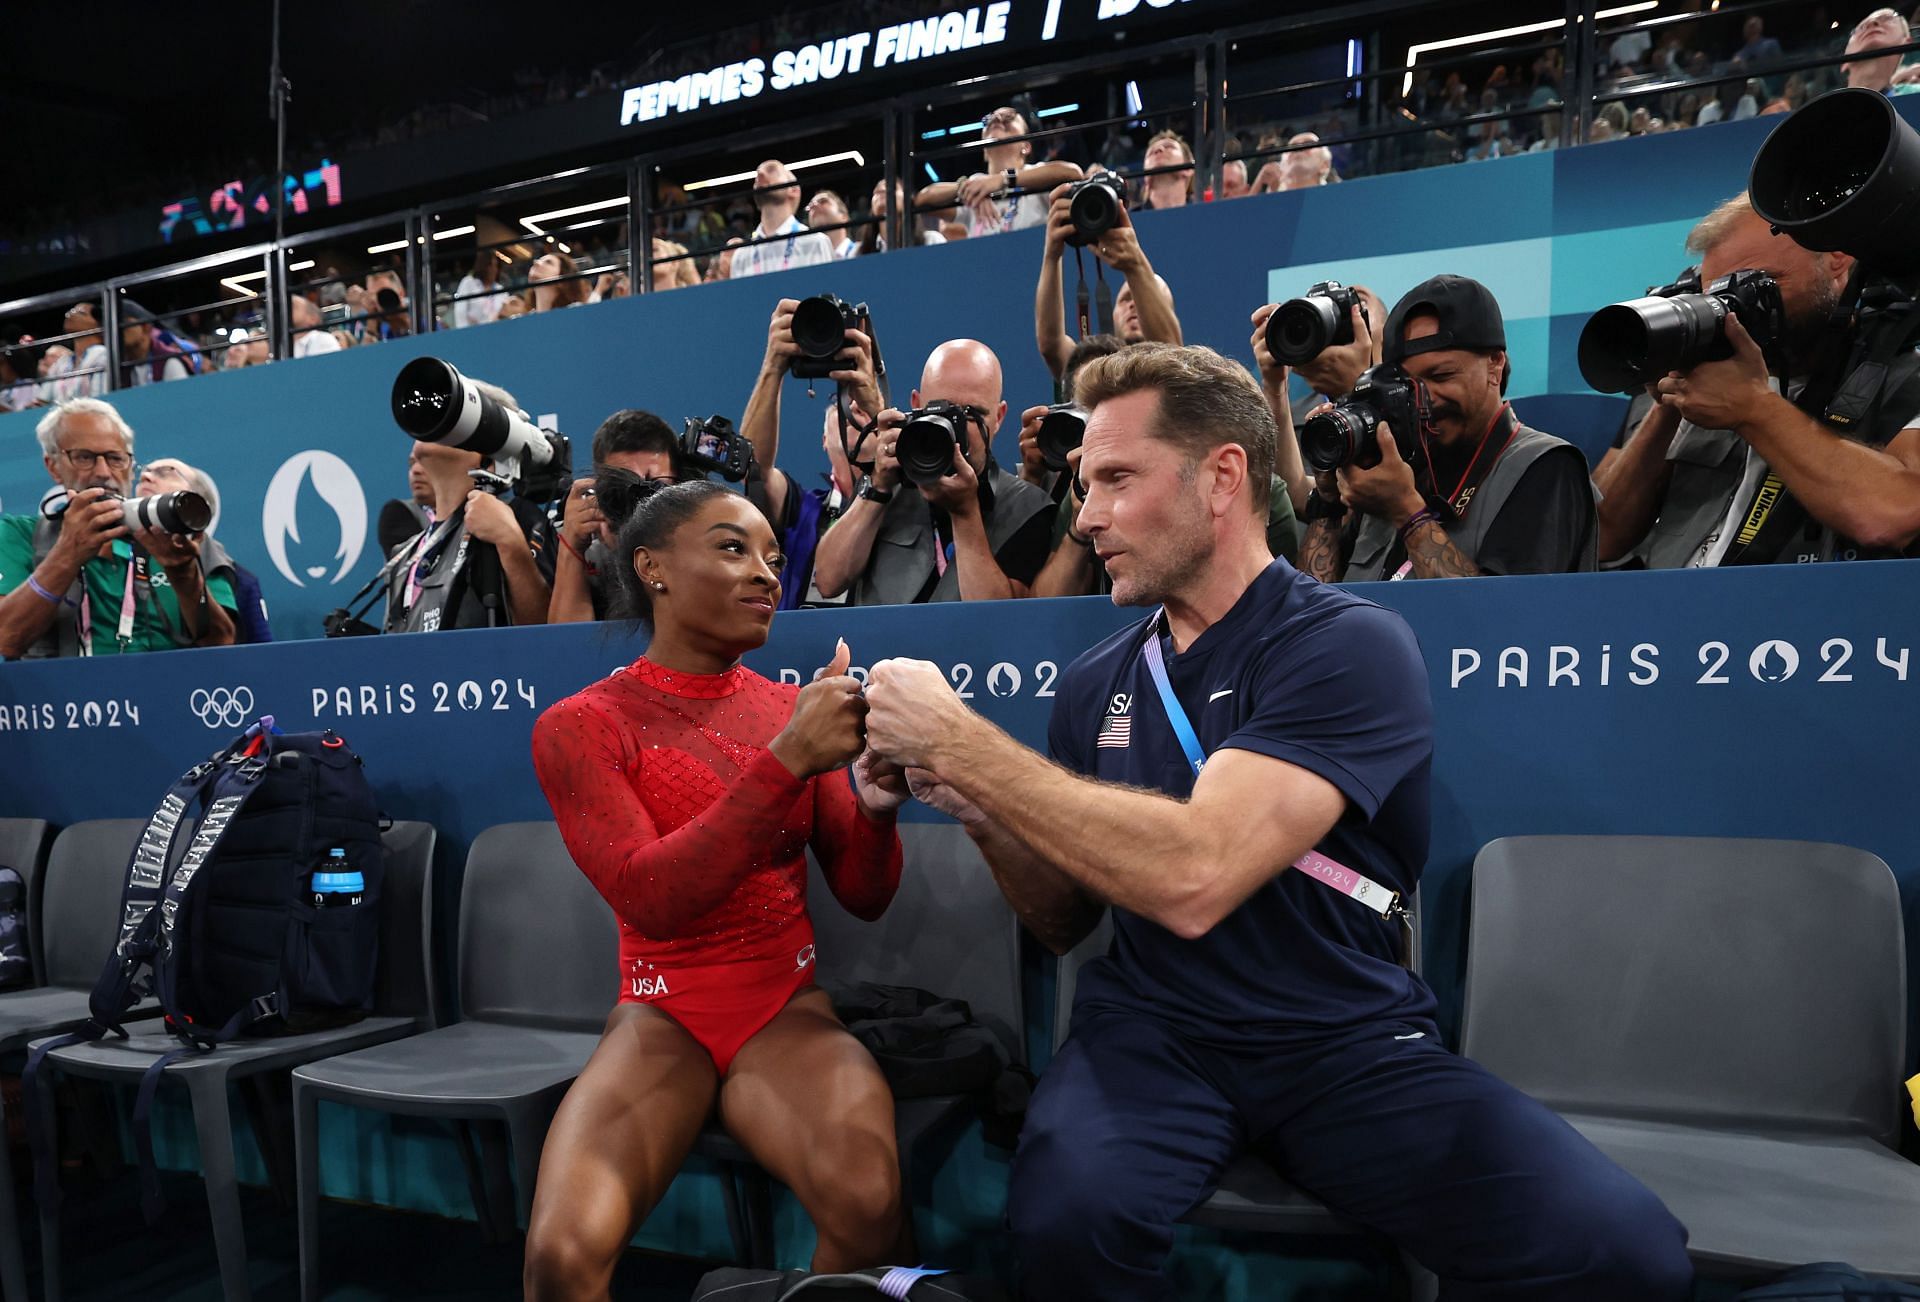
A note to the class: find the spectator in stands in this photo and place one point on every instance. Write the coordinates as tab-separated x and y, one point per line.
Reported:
1491	497
1724	447
1143	309
635	441
1792	95
85	375
782	240
1330	375
1167	189
384	301
1759	48
828	209
449	578
515	306
246	348
1011	194
873	239
311	338
611	285
720	266
800	516
977	532
172	475
1244	1005
1628	49
19	370
150	353
68	577
554	282
1301	168
672	267
478	298
1878	30
1233	179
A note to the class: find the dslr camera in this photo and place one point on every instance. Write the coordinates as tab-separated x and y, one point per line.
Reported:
820	326
1300	329
1626	346
714	447
1060	432
182	512
1095	203
928	437
1348	432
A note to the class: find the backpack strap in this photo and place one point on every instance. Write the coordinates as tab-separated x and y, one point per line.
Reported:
120	985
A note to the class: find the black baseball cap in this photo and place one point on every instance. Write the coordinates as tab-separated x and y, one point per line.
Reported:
1469	318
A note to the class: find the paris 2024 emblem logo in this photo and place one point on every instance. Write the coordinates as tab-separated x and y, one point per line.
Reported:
338	489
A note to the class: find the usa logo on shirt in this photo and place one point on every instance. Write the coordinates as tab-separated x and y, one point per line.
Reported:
1116	732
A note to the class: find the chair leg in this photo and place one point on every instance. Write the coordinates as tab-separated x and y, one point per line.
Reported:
526	1140
52	1288
13	1260
213	1127
495	1163
476	1182
306	1162
269	1102
759	1187
737	1231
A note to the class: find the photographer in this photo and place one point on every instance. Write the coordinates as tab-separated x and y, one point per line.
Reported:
974	533
801	516
80	581
637	441
1143	309
1491	496
1330	373
1010	194
484	561
172	475
1725	470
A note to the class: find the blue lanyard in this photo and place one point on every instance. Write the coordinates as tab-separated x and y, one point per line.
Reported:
1176	713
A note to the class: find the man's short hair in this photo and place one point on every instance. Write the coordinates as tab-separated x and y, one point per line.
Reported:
1719	224
1090	349
1206	401
48	429
1176	138
632	430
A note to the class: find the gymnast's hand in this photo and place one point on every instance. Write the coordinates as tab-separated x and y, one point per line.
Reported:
828	729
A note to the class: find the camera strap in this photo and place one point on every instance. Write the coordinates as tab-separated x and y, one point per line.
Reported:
1103	301
1328	872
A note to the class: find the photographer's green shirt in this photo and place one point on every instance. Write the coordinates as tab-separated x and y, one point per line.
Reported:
156	624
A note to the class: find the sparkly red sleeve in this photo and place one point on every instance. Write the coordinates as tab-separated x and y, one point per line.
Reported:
859	857
660	885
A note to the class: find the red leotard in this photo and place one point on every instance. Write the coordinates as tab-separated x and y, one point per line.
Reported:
670	802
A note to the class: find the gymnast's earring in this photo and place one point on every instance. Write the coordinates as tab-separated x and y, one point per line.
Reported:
659	586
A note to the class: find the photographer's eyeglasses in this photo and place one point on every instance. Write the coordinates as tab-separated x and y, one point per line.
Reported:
82	459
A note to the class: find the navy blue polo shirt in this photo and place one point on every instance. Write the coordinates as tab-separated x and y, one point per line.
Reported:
1306	673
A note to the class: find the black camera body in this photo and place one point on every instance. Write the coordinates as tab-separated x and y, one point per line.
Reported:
820	326
1626	346
1095	203
928	437
714	447
1300	329
1060	432
1348	432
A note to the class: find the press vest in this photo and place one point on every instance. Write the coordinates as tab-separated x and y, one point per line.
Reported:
1378	535
903	554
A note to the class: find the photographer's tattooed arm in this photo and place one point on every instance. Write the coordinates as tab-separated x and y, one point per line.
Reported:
1323	552
1434	556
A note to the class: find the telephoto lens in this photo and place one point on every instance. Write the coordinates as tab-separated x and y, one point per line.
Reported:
927	442
1626	346
183	512
1300	329
1095	203
1843	172
1060	432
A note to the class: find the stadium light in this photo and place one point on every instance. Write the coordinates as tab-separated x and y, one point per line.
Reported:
853	155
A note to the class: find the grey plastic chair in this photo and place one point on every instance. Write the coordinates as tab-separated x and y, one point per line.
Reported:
401	1006
1251	1197
24	843
948	930
75	891
538	957
1723	1018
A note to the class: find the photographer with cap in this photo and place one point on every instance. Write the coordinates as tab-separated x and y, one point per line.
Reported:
482	562
78	581
631	440
1725	470
1492	496
975	533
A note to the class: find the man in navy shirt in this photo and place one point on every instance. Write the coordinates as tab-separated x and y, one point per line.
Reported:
1253	996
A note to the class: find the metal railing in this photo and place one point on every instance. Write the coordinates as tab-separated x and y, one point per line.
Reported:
1375	119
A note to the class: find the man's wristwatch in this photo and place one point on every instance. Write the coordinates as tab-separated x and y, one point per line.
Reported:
872	492
1322	508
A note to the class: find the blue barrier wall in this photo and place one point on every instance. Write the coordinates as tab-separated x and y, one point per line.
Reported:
1554	234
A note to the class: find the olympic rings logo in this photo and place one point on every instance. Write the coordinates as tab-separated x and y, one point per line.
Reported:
222	707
